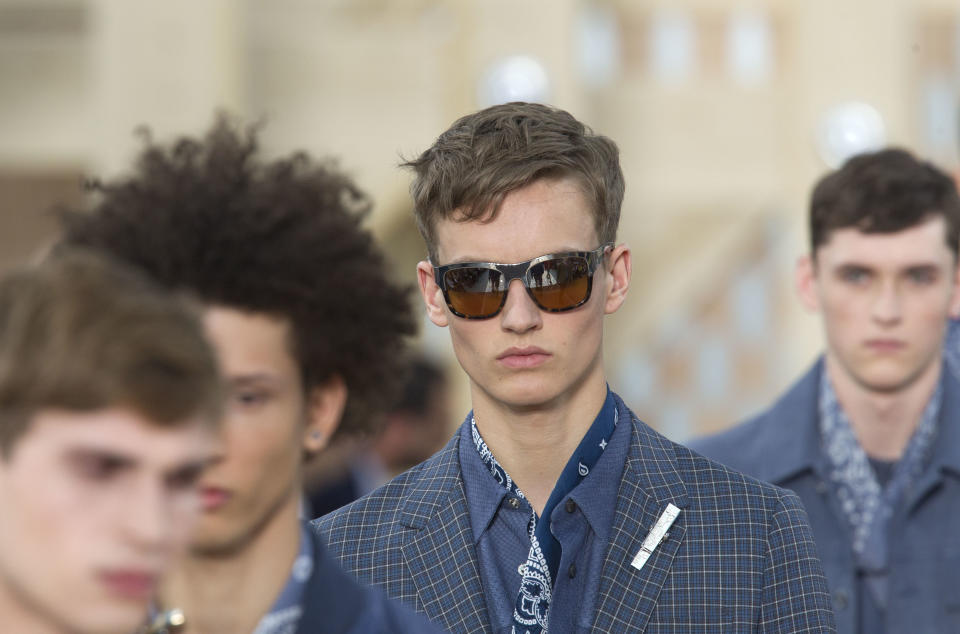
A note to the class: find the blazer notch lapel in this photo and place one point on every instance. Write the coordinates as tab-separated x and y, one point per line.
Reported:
628	596
443	563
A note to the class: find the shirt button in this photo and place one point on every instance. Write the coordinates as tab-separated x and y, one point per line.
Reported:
572	571
571	505
513	503
840	599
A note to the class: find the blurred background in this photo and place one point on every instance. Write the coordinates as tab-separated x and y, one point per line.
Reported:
725	112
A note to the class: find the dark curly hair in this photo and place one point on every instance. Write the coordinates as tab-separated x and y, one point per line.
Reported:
209	217
883	192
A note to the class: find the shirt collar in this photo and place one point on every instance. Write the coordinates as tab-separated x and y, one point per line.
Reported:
595	495
484	494
288	607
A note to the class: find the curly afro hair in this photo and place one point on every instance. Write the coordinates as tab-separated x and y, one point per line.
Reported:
208	217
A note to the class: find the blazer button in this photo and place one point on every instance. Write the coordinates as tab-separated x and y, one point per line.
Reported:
513	503
572	571
840	599
571	505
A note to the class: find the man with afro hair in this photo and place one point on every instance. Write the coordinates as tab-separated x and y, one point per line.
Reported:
308	331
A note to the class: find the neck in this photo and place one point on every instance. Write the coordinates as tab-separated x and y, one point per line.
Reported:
883	422
231	593
533	444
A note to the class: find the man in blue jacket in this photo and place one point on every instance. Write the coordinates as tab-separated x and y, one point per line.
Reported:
307	327
553	506
869	437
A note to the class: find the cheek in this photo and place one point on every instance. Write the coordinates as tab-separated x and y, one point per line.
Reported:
266	441
55	528
471	341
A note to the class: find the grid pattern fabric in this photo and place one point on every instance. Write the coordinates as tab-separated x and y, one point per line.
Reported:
739	558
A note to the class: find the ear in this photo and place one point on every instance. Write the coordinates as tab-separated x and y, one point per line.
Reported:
618	278
432	294
325	405
804	277
955	298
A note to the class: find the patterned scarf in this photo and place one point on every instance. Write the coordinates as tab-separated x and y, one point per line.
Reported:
540	569
868	506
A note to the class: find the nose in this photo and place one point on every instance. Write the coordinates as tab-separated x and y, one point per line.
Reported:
887	304
519	313
146	518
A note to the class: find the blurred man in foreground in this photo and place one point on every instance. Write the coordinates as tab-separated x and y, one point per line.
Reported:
307	328
109	402
870	436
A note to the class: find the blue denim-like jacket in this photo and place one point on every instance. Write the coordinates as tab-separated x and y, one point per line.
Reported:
782	446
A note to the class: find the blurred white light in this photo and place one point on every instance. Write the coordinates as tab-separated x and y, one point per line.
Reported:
848	129
749	47
517	78
672	45
598	46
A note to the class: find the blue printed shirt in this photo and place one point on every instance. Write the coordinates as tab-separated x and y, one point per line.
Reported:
581	522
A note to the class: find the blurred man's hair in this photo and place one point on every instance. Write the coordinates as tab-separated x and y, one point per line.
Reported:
486	155
883	192
281	237
81	333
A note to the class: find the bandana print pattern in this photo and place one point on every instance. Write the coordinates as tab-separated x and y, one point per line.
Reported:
533	601
536	585
868	507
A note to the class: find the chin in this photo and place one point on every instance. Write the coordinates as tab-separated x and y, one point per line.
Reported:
528	395
888	381
116	618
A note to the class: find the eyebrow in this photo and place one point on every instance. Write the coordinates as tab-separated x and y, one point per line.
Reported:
253	377
124	461
100	453
192	467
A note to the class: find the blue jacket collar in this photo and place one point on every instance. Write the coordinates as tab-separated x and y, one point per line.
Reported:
790	438
946	453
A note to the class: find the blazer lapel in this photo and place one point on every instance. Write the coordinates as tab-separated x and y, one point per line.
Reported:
650	482
440	552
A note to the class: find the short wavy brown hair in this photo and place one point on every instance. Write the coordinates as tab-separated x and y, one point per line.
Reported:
883	192
281	237
81	333
484	156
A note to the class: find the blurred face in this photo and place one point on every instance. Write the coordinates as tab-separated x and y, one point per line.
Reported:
95	505
885	300
269	423
525	357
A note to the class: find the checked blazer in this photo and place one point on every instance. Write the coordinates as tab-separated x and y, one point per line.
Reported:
739	558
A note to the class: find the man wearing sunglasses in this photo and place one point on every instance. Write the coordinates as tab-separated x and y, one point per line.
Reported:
553	506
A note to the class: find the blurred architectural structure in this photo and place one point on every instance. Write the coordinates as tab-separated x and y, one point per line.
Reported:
715	105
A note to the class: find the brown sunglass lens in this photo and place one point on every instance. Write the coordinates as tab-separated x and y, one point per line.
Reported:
560	284
474	292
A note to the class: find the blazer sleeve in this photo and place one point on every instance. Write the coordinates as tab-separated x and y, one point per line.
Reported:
795	593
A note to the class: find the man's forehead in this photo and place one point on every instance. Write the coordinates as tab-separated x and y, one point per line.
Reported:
923	241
